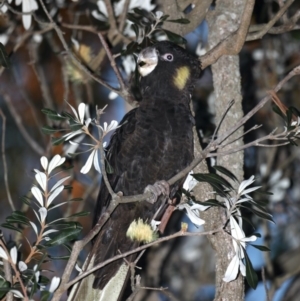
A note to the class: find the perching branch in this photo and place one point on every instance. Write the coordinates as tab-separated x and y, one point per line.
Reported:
233	43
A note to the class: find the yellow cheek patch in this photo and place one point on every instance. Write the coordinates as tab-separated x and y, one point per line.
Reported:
181	77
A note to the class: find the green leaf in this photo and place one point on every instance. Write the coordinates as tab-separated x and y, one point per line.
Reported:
211	202
82	213
261	248
45	295
226	172
11	227
131	17
131	47
180	21
251	275
257	234
48	130
212	178
52	114
65	257
136	30
20	217
175	38
26	200
260	214
76	200
57	141
4	59
143	13
294	110
12	220
4	287
164	17
74	127
65	236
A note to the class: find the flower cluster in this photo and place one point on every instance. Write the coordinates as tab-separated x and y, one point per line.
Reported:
233	206
81	125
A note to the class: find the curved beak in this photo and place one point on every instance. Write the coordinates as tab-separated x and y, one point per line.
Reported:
147	61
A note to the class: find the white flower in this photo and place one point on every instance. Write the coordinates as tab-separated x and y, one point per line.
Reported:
119	6
190	182
92	159
158	14
78	268
107	128
34	227
128	63
17	294
4	7
22	266
56	161
296	122
14	254
54	194
54	284
37	275
112	95
38	195
44	162
41	178
27	7
193	212
43	214
3	254
154	224
246	183
239	243
82	110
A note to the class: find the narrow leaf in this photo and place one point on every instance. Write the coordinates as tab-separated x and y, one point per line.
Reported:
226	172
4	59
251	275
180	21
261	248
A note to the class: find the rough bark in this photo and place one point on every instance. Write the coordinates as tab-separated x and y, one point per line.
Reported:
226	78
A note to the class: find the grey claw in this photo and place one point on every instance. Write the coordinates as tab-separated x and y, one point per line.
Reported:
159	188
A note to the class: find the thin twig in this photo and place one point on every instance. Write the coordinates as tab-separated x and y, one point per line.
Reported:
10	201
32	143
270	24
166	238
230	104
263	275
123	17
113	64
76	61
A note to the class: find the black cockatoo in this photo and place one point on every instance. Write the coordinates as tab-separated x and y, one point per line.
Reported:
153	143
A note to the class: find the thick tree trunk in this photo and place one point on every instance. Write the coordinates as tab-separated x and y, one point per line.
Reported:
226	77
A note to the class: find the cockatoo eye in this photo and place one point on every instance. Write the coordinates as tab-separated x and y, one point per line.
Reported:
168	57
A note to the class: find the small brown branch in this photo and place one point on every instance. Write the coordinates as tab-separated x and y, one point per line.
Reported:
263	275
111	19
10	201
7	274
114	65
80	27
32	143
270	24
76	61
233	44
123	17
166	238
